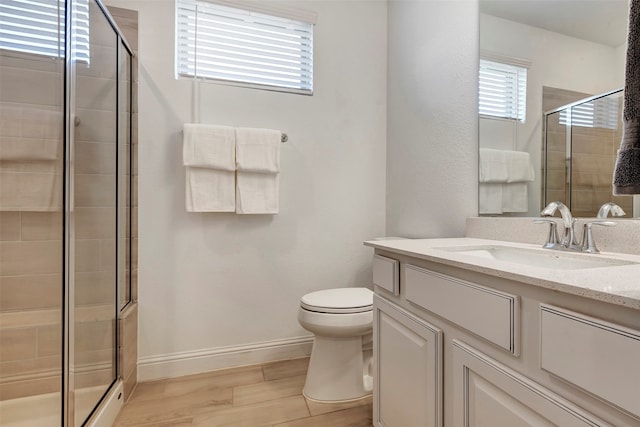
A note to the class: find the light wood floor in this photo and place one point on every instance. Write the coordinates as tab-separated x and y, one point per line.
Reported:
261	395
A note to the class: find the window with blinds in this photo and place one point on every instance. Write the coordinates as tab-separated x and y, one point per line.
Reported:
601	113
243	46
502	90
38	27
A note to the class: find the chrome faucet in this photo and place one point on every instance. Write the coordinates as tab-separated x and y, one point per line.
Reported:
568	236
588	243
612	208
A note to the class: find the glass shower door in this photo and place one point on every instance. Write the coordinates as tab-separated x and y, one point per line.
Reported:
93	210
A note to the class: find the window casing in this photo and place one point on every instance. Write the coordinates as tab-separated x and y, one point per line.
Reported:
243	47
502	90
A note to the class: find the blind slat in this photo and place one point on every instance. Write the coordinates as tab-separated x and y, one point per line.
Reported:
223	43
38	27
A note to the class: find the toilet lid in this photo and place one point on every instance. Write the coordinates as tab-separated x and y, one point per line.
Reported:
343	300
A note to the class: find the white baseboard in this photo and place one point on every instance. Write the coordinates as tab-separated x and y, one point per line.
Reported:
192	362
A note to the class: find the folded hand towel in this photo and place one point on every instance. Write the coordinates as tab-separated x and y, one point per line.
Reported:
208	146
493	165
515	197
258	150
519	167
257	193
490	195
626	176
258	158
497	198
505	166
210	190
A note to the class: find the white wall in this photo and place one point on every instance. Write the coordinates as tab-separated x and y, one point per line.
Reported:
557	61
210	281
432	151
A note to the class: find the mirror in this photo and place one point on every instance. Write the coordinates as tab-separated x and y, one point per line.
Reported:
570	50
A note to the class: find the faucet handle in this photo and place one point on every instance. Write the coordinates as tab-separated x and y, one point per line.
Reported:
552	238
588	243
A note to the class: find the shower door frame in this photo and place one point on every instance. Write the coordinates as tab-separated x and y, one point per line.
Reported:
68	267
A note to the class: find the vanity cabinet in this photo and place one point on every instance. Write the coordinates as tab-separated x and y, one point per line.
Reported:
408	376
461	348
487	393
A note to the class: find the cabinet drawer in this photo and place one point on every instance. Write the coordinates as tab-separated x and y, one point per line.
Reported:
385	273
491	314
597	356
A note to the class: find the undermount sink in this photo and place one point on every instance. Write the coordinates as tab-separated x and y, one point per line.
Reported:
544	258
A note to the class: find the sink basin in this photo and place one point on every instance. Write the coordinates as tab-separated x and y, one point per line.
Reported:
544	258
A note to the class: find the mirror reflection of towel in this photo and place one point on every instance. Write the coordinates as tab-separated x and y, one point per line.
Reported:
505	166
497	198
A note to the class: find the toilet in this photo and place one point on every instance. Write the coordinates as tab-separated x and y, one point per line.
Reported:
342	323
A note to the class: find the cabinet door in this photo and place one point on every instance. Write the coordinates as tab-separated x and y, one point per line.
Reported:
408	377
487	393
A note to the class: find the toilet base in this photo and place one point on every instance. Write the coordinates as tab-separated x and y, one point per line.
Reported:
337	371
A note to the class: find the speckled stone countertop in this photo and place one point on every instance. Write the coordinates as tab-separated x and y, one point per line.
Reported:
616	284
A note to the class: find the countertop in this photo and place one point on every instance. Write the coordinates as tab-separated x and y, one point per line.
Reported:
619	284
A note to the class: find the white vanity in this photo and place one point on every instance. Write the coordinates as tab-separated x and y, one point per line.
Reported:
473	332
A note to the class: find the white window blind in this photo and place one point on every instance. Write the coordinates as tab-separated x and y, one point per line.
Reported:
502	90
38	27
245	47
601	113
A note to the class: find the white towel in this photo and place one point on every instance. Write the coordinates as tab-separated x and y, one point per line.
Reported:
209	156
519	167
257	193
258	150
505	166
497	198
208	146
515	197
490	195
210	190
258	160
493	165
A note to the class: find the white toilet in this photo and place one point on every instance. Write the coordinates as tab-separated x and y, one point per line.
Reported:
342	323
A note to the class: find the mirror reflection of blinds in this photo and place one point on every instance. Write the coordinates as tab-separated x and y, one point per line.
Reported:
502	90
38	27
235	45
602	113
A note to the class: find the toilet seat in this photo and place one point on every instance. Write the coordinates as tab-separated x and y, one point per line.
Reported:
339	301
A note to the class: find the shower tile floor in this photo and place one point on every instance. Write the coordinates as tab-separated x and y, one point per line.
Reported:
260	395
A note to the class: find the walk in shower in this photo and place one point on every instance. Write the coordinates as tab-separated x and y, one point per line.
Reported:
581	140
65	208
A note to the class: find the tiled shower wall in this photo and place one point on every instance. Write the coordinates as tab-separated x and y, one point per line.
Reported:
31	111
31	228
593	158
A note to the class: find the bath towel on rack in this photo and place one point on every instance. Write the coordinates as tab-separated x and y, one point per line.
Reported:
258	165
209	159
